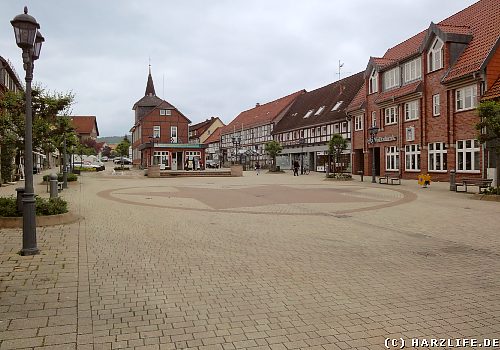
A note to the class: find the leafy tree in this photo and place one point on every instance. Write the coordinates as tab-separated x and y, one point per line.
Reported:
336	146
489	129
91	144
273	148
106	151
46	107
123	147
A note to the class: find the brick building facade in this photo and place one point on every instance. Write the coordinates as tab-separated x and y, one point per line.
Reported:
422	97
160	135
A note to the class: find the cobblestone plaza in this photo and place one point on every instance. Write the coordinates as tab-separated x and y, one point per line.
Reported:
254	262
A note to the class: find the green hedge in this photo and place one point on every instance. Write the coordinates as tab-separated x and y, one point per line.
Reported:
492	191
71	177
85	169
120	168
43	206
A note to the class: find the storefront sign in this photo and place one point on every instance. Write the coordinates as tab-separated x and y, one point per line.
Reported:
387	138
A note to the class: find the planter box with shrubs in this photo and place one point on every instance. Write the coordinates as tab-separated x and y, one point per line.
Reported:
43	206
71	177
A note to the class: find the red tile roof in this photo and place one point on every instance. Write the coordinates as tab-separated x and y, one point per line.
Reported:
447	28
493	92
358	100
215	137
84	124
483	18
407	48
402	91
480	21
261	114
323	99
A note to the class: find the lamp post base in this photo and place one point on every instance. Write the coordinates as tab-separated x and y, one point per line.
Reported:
29	251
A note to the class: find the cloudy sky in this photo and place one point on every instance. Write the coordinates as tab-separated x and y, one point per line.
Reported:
208	57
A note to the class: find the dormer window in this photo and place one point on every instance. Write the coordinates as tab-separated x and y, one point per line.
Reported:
308	114
373	82
435	55
321	109
391	78
337	105
413	70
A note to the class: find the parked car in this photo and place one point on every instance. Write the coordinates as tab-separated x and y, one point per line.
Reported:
213	164
104	159
86	164
122	160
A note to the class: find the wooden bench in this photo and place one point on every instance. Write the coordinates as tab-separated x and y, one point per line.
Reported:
481	183
394	180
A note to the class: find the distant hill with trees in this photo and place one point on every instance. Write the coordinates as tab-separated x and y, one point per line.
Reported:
113	140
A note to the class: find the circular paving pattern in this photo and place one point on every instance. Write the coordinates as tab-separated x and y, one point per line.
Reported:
264	199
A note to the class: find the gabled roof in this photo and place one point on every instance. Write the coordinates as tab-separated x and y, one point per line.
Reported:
483	18
338	94
215	137
200	128
493	92
477	26
84	124
358	102
261	114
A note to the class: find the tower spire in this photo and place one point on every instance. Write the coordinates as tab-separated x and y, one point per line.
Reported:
150	87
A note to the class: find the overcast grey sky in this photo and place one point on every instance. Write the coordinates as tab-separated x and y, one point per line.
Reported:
208	57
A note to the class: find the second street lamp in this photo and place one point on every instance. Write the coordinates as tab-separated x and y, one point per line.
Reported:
30	41
373	132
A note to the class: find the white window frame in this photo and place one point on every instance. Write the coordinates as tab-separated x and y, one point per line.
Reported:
391	115
308	114
156	131
466	98
391	78
437	157
472	151
358	123
391	158
165	112
320	109
373	82
412	70
411	110
410	133
435	55
436	105
412	157
337	105
374	119
173	134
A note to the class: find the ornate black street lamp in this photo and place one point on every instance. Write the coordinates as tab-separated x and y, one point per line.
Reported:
29	39
236	143
373	132
302	141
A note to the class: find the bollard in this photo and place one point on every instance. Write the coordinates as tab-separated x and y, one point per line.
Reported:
453	184
53	185
360	173
19	199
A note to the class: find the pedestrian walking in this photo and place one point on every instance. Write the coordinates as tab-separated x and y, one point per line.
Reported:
257	167
296	167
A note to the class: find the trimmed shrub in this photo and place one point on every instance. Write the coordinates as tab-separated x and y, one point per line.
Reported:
339	176
120	168
491	191
85	169
43	206
51	206
71	177
8	207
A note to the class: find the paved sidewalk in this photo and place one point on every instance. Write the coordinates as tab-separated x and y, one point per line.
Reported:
258	262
